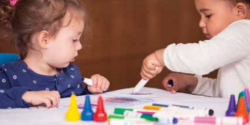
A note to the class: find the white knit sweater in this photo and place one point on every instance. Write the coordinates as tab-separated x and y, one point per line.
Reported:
229	52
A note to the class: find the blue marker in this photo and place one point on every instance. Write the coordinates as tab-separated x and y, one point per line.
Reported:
171	82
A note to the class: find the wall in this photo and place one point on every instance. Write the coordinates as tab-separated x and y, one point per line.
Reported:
124	32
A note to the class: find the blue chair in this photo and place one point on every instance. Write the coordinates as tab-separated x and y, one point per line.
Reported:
8	57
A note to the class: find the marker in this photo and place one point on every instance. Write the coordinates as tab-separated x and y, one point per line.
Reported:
87	81
121	117
173	110
128	122
171	82
209	112
140	85
218	120
134	115
121	111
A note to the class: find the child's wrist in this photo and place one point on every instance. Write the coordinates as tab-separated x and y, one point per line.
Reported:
192	83
159	56
26	97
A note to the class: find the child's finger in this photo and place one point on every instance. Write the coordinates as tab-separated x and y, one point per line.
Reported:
152	71
99	83
104	82
107	86
145	75
52	100
47	102
57	95
173	91
167	87
94	80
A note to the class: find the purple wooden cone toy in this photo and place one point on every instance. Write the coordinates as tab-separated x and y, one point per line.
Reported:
231	107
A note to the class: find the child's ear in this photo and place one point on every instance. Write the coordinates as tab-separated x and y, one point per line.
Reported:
43	39
242	10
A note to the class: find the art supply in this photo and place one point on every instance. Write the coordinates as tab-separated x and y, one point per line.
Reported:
209	112
121	111
134	115
87	81
171	82
87	113
248	99
218	120
73	114
242	110
128	122
100	115
177	111
245	98
140	85
231	107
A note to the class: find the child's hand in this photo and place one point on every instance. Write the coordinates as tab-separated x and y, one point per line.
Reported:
182	82
47	98
100	84
152	65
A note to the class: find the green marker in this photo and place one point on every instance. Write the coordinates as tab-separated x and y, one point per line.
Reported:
138	117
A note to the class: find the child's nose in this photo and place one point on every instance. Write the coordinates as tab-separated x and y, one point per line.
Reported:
202	24
79	46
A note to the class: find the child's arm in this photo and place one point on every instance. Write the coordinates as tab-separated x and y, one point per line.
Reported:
11	97
207	86
47	98
182	82
100	84
21	97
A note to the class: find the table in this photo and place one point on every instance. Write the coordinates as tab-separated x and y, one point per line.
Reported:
119	98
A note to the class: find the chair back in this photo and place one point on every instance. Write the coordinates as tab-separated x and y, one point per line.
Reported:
8	57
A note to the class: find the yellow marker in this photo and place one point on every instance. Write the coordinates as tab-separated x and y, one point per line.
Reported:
151	107
73	114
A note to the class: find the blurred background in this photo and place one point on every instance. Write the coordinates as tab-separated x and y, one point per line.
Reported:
124	32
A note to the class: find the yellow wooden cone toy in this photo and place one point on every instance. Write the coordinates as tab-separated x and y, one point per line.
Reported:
73	114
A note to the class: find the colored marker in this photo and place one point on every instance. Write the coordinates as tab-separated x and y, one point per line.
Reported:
134	115
174	111
87	81
209	112
121	117
121	111
248	98
171	82
218	120
127	122
140	85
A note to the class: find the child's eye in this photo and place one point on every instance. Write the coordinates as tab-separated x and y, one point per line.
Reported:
208	16
75	40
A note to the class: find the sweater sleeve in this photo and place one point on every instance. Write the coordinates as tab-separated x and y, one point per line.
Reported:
229	46
11	97
207	87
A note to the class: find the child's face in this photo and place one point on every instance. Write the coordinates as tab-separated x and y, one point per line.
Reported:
64	47
215	15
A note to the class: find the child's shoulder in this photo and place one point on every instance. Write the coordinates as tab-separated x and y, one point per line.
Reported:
243	22
12	66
